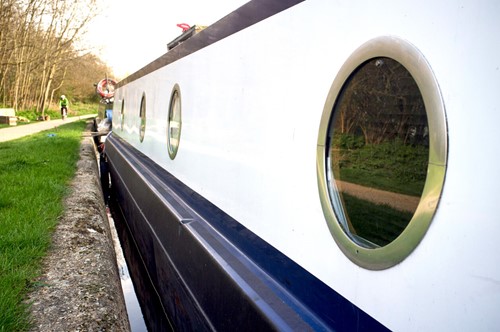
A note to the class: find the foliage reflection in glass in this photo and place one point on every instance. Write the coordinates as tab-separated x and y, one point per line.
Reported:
378	150
142	130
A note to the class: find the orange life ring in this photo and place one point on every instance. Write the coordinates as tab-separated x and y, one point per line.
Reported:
106	88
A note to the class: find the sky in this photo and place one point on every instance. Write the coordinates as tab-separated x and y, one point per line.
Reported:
127	35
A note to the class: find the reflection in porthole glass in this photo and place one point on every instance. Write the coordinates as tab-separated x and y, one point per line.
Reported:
377	152
142	115
122	114
174	122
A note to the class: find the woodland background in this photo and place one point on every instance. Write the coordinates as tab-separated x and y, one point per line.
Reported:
42	53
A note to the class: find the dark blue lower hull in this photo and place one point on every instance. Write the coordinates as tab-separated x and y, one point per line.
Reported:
210	272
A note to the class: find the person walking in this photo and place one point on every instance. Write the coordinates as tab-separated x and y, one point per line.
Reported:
63	103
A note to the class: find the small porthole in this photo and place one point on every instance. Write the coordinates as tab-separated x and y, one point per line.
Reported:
142	115
122	115
174	122
382	152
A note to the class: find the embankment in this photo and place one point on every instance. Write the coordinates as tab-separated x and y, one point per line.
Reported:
80	287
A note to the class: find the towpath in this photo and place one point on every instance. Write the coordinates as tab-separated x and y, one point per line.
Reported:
398	201
79	288
14	132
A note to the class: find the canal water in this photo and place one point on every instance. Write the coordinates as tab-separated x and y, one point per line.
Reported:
144	308
134	311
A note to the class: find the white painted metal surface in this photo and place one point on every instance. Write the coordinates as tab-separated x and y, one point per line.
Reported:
251	110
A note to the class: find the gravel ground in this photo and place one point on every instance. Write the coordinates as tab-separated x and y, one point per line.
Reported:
80	287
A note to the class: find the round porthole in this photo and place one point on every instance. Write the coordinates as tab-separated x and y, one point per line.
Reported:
122	115
382	152
142	115
174	122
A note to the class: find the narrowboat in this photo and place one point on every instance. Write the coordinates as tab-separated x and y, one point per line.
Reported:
319	165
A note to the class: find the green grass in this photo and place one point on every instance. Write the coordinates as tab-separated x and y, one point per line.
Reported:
55	113
76	109
379	224
391	166
35	173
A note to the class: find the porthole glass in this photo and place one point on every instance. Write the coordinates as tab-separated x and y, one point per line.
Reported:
122	115
174	122
142	115
382	153
378	151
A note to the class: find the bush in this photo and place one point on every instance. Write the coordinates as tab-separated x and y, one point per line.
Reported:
348	141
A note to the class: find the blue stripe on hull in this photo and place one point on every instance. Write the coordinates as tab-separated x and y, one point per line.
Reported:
212	273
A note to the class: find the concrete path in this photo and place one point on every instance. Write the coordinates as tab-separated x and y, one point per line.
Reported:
397	201
14	132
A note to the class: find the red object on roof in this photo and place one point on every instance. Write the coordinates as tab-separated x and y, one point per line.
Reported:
184	26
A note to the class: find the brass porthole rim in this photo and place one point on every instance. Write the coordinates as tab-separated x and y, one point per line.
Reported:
172	151
413	60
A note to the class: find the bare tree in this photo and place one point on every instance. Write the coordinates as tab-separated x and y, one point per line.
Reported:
37	44
69	21
381	100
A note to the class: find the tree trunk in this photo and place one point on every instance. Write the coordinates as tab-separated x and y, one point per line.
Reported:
45	96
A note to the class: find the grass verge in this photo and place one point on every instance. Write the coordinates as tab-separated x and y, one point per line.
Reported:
76	109
391	166
55	113
379	224
35	174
